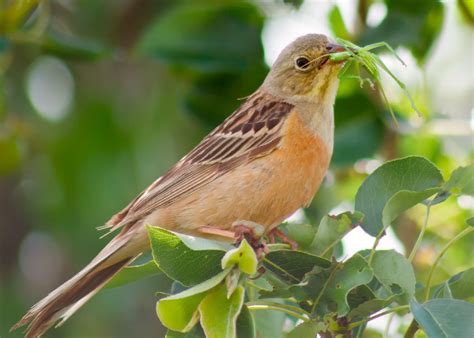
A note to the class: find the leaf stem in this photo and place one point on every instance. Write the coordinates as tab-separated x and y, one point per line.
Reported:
288	309
361	322
376	243
440	255
420	236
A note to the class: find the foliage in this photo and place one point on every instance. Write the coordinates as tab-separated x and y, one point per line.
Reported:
329	297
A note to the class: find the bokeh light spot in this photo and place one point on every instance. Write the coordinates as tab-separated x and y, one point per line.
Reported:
50	87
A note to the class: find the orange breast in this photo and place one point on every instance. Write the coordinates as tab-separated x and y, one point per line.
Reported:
265	191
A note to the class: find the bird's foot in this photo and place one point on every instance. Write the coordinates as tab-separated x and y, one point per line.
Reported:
277	233
252	232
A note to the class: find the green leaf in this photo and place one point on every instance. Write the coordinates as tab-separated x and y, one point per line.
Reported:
336	23
245	324
243	256
353	273
307	329
269	324
73	47
445	318
470	221
402	201
303	234
371	306
332	229
196	332
459	286
461	181
394	272
292	265
219	314
133	273
179	312
199	243
217	37
181	263
415	174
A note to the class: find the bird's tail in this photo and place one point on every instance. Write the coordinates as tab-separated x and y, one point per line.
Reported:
63	302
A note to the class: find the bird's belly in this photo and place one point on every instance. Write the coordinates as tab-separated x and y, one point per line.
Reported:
265	191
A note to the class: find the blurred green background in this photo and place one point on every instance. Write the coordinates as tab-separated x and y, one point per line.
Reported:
99	98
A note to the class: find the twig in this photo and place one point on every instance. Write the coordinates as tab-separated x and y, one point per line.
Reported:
288	309
440	255
395	309
420	236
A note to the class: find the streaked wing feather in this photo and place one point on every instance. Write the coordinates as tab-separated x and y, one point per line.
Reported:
252	131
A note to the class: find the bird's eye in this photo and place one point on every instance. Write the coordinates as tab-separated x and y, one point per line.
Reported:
302	63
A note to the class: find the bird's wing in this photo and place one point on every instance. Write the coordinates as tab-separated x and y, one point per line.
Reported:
252	131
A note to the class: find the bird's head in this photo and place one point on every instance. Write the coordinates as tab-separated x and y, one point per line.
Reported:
303	71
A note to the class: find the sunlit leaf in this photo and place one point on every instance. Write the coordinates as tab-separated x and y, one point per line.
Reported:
219	313
179	312
243	256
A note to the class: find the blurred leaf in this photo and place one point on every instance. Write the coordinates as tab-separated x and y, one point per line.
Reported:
307	329
219	313
412	24
243	256
179	312
415	174
356	118
212	97
332	229
4	44
461	181
133	273
13	15
470	221
294	3
394	271
353	273
337	25
10	154
445	318
71	47
292	265
189	267
245	324
217	37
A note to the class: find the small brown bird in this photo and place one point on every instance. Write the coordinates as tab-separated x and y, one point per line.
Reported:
260	165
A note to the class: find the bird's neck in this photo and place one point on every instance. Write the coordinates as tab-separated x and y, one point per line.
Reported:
318	113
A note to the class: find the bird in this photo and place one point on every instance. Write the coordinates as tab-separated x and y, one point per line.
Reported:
261	164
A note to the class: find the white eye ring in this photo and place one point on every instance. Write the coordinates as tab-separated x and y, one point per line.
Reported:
302	63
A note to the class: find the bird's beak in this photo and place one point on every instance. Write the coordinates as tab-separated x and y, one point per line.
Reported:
334	48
